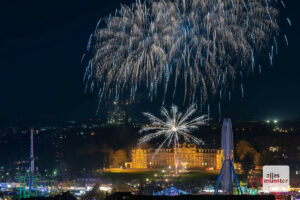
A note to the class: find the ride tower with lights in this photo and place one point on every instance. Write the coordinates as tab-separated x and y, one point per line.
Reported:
227	174
31	167
30	178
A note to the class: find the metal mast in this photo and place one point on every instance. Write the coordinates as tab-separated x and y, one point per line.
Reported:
176	161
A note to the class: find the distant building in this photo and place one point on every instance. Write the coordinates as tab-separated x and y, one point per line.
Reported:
116	118
118	115
189	156
274	149
86	181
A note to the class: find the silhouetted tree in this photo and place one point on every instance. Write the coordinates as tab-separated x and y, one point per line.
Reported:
247	164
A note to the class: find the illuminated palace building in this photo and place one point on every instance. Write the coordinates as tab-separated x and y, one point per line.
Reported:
187	156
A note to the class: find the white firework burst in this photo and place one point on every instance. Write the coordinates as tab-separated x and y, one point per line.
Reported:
190	47
174	126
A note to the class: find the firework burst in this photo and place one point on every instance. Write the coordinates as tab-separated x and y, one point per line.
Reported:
195	48
174	126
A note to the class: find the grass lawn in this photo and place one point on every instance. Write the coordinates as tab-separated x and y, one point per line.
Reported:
195	177
127	176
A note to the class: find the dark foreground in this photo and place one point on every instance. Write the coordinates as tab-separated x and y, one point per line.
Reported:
129	196
117	196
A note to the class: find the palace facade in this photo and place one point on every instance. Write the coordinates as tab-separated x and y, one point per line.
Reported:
187	156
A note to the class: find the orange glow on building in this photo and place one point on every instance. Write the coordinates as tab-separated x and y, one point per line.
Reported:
189	155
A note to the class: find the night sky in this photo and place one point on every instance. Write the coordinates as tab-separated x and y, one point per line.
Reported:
41	44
